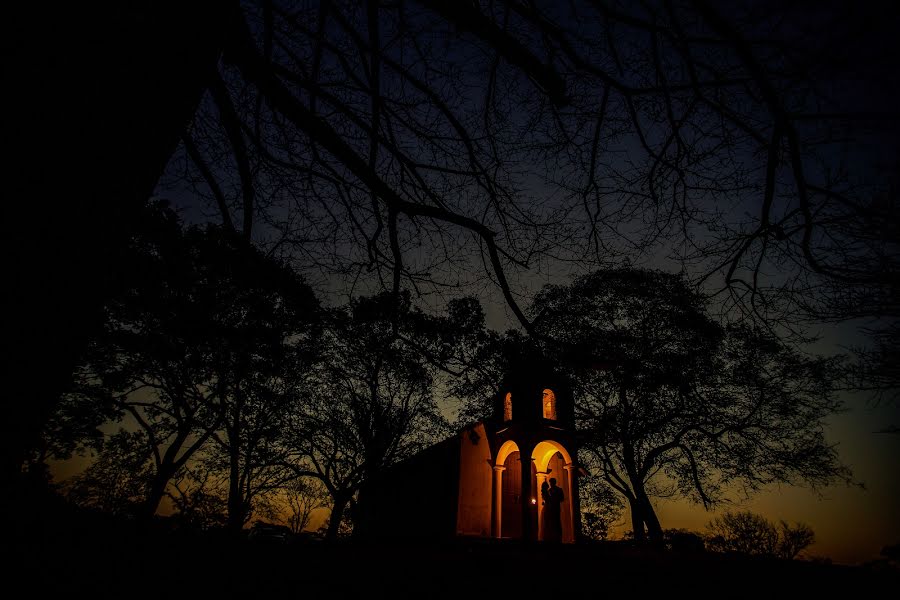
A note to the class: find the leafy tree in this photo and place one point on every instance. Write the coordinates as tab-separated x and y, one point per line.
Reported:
600	507
202	316
272	352
251	468
749	533
667	399
372	403
682	540
74	425
198	501
744	532
117	481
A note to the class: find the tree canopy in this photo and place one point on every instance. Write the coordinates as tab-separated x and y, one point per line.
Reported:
669	401
748	533
204	328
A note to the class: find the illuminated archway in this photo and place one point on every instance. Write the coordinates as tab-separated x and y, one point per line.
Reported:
505	450
544	454
509	447
545	450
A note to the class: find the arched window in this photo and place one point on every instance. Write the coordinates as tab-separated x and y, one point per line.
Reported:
549	404
507	407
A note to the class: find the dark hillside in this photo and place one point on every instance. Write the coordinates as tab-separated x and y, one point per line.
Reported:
98	557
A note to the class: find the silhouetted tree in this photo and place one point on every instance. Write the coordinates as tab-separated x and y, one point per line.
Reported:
197	500
202	318
715	136
118	480
794	539
744	532
667	397
372	403
273	353
749	533
683	540
303	495
489	359
154	361
600	507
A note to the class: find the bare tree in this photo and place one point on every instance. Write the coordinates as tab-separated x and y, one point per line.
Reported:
303	496
363	135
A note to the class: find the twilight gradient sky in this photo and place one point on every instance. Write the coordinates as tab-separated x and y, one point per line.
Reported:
851	524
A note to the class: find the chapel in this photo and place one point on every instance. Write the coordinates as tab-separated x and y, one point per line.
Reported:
486	480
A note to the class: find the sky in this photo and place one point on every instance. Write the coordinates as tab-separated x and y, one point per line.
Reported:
852	524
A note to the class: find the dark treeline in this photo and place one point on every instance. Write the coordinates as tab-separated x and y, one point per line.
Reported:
220	383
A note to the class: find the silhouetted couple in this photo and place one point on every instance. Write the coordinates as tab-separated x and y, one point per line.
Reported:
552	515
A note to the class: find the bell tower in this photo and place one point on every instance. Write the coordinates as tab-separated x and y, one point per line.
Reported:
533	442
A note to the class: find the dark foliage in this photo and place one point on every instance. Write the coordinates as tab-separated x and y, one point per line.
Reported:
669	401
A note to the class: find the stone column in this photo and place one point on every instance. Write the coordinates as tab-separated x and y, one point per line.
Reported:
541	478
498	500
570	498
529	531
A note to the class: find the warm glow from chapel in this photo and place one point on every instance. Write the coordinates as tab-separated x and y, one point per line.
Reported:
549	403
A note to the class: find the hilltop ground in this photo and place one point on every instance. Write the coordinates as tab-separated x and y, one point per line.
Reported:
99	558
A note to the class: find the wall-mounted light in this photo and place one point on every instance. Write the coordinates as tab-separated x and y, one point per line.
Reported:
534	500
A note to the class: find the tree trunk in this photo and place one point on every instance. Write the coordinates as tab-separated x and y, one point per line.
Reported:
337	513
638	507
637	520
156	492
236	505
654	529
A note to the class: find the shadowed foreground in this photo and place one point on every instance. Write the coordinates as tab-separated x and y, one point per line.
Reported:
103	558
